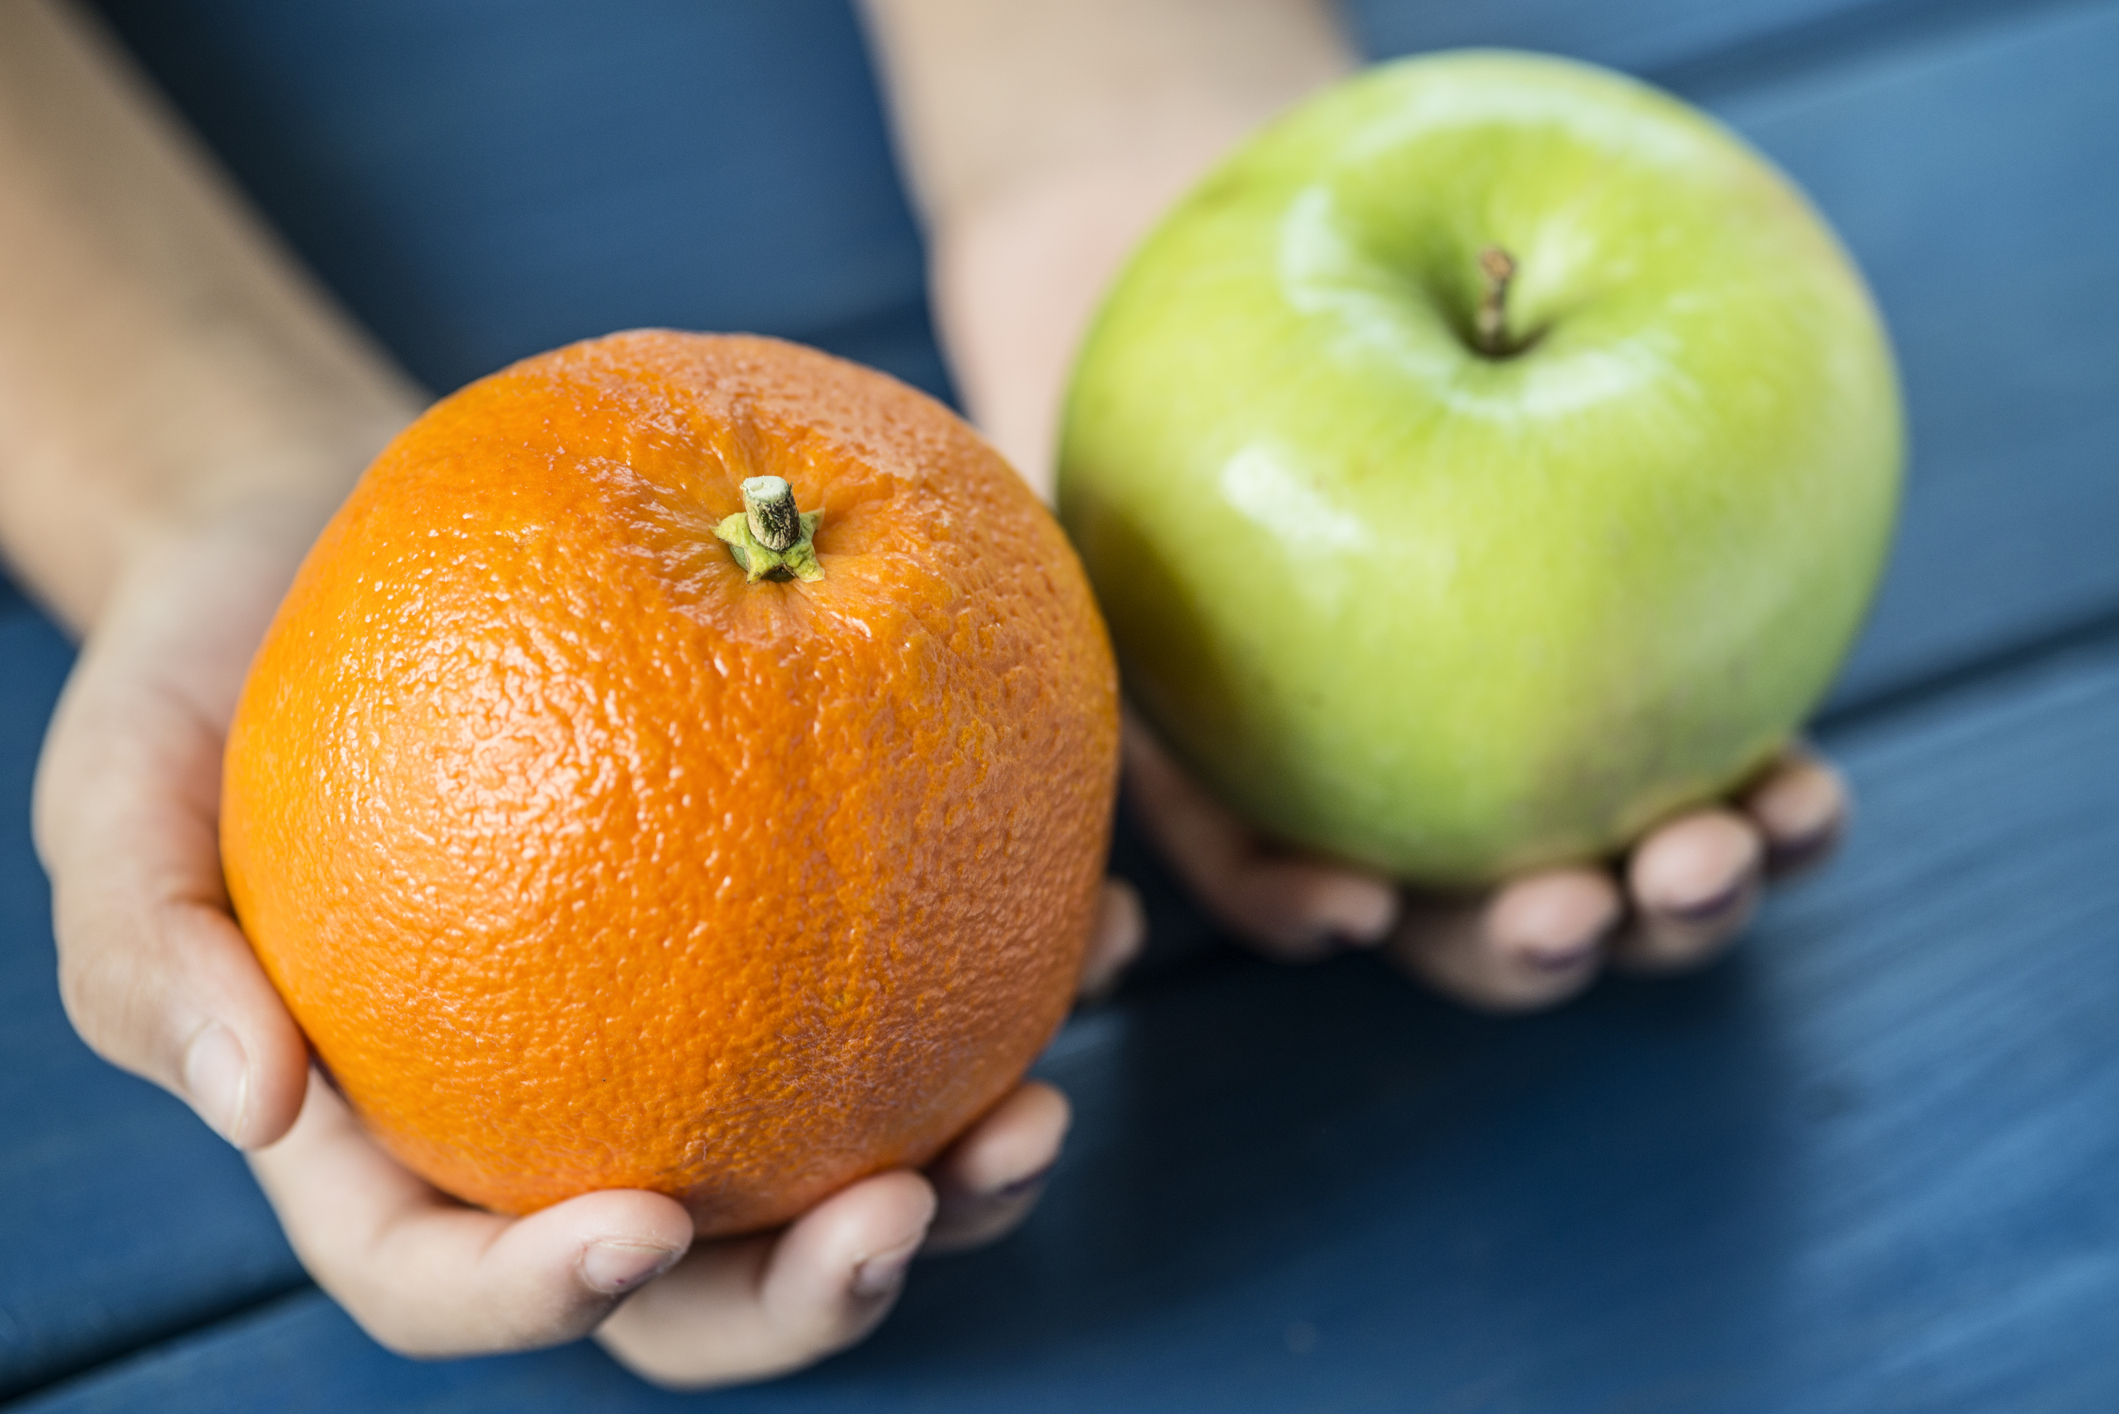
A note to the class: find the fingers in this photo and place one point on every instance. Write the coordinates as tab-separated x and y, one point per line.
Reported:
988	1181
1121	929
1290	906
1691	887
757	1307
1801	806
153	971
174	994
1695	883
752	1308
429	1277
1535	941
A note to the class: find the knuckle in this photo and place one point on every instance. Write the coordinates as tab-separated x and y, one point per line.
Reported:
99	1002
443	1321
677	1374
79	993
400	1326
831	1335
395	1335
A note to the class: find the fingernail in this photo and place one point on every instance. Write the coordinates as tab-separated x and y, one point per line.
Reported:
217	1078
1787	855
1555	962
1362	914
1712	906
612	1267
1016	1188
883	1273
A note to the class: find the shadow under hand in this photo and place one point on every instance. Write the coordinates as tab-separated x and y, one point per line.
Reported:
1265	1159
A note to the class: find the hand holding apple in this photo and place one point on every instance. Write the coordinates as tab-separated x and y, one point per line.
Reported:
1005	303
1688	888
1492	459
1488	463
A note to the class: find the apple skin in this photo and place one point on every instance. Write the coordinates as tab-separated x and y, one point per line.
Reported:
1451	615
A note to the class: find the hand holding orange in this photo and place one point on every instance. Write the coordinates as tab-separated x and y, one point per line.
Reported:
587	858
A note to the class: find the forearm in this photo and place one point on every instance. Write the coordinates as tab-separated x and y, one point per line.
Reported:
163	365
1043	139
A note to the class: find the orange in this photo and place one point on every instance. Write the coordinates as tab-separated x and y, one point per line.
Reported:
586	860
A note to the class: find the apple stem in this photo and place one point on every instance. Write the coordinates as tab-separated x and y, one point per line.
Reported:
770	538
1496	268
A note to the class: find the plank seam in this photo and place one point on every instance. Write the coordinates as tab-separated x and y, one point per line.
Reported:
1831	41
153	1339
2092	631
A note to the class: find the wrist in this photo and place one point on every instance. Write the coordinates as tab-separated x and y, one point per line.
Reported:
1016	275
1043	140
221	540
73	536
987	95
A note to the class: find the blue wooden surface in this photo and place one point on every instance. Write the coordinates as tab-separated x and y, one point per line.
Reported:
121	1218
1867	1166
1858	1168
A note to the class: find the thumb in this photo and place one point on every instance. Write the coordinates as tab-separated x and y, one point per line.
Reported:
428	1276
153	971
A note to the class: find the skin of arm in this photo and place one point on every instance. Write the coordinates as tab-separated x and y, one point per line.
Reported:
163	364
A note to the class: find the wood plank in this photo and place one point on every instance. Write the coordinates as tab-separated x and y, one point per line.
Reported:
1959	172
1636	35
1865	1165
121	1217
1670	41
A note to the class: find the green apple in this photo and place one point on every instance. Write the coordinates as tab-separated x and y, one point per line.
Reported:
1494	456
